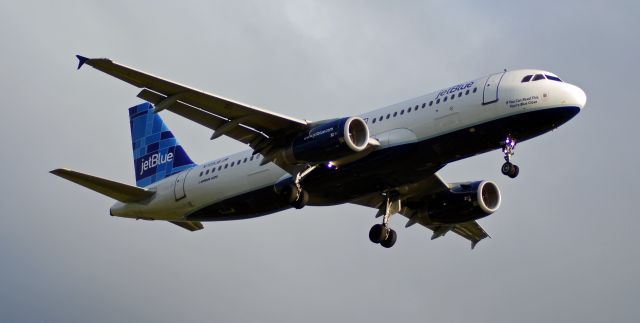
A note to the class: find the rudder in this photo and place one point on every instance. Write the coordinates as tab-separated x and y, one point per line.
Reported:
157	154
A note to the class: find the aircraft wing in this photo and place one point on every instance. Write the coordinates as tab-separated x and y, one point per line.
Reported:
251	125
412	196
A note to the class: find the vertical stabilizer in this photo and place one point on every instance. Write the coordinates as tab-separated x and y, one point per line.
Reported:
156	152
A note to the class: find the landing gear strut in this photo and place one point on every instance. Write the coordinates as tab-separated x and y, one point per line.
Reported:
508	149
382	233
293	193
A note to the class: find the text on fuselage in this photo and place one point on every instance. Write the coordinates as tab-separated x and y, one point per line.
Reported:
455	88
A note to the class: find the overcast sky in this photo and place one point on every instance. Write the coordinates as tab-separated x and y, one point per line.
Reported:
564	244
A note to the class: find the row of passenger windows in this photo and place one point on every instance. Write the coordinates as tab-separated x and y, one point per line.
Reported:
227	165
539	77
453	96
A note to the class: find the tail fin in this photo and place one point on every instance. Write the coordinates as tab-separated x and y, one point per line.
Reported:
156	152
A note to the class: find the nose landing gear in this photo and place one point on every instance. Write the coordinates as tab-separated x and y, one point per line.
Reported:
508	149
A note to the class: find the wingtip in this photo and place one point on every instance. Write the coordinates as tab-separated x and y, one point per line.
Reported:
81	60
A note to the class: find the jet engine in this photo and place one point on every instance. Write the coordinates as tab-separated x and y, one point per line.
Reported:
330	140
464	202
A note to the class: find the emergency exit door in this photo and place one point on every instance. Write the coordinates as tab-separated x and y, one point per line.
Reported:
178	189
490	91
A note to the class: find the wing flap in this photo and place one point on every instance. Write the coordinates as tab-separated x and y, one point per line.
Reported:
212	121
189	225
116	190
471	231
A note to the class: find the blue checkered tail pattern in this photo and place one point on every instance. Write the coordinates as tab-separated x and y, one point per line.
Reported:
156	152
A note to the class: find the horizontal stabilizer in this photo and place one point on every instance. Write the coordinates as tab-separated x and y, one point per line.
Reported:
119	191
189	225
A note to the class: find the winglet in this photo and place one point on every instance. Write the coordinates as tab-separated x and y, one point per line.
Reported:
81	60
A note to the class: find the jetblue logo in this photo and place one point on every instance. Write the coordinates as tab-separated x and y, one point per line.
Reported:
455	88
154	160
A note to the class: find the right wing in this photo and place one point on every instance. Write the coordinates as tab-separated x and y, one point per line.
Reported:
262	130
416	192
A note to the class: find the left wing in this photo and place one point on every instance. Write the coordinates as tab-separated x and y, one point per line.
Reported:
416	192
262	130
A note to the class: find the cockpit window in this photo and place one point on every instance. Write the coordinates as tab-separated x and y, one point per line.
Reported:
553	78
538	77
526	78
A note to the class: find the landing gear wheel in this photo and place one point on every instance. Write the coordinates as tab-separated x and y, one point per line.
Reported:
390	240
302	200
506	168
377	233
289	193
510	170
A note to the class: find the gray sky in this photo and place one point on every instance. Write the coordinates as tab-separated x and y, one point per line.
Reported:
564	244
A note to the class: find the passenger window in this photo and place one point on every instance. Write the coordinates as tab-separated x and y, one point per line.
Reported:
460	94
207	172
251	158
213	170
538	77
526	78
466	93
232	163
408	110
415	108
431	103
219	167
388	115
453	96
445	99
437	101
374	121
424	105
395	114
475	89
380	118
402	112
226	165
200	174
245	160
238	162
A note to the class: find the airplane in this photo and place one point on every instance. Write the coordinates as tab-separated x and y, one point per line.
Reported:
386	159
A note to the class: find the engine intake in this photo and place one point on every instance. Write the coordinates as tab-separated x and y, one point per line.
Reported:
331	140
464	202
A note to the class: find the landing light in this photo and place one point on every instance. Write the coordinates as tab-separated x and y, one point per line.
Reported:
331	165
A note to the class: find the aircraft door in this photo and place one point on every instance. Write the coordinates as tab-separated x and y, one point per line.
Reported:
178	189
490	91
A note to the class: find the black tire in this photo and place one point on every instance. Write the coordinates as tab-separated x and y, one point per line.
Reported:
390	240
507	168
301	201
515	170
288	193
377	233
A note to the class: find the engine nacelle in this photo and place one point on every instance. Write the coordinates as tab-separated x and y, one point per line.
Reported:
464	202
331	140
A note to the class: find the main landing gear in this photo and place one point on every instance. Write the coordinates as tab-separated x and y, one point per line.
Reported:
508	149
382	233
293	193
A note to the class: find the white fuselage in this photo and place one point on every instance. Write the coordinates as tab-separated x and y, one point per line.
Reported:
426	117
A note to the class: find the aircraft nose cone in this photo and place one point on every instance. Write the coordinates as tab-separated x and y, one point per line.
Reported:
576	96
